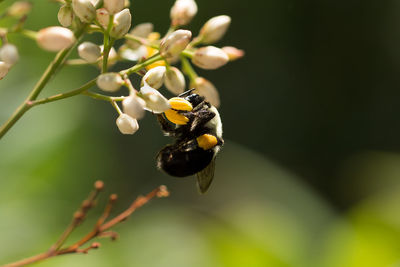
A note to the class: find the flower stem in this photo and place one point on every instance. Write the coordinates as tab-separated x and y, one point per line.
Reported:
140	66
188	69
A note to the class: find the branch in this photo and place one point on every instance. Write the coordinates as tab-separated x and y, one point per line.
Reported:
100	229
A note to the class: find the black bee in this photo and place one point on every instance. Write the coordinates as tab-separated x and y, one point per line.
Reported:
198	138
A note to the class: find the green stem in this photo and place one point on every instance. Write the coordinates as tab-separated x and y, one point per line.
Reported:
107	44
188	69
140	40
102	97
28	33
140	66
115	105
47	75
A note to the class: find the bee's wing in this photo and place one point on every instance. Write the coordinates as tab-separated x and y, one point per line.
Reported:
205	177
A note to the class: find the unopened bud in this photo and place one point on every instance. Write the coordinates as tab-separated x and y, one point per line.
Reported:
182	12
55	38
210	57
207	89
3	69
154	77
84	9
65	15
19	9
90	52
175	81
126	124
214	29
175	43
232	52
155	101
134	106
114	6
109	82
140	30
122	23
102	17
9	54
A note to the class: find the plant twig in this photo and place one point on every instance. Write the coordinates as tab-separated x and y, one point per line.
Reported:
100	229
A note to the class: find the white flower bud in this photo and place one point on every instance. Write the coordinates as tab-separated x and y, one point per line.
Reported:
155	101
210	57
182	12
127	53
154	77
175	81
84	9
175	43
134	106
90	52
109	82
127	124
65	16
207	89
140	30
102	17
19	9
3	69
232	52
55	38
9	54
214	29
122	23
114	6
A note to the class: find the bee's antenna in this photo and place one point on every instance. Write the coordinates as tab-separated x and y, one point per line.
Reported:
186	93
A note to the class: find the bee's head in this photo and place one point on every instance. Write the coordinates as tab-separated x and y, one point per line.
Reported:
193	98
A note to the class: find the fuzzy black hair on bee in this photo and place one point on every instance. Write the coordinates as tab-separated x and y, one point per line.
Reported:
197	129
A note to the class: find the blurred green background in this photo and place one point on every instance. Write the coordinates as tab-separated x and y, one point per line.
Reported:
309	175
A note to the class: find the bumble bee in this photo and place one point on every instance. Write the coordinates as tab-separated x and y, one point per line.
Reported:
198	138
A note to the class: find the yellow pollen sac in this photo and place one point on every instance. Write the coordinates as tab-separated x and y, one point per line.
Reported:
174	117
207	141
179	103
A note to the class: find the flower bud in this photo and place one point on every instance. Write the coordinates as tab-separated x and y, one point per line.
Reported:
127	124
127	53
55	38
210	57
84	9
9	54
175	43
114	6
154	77
4	67
175	81
232	52
90	52
122	23
19	9
134	106
214	29
155	101
182	12
207	89
140	30
109	82
65	16
102	17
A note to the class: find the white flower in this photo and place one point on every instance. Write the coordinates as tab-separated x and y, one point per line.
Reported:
183	11
102	17
55	38
210	57
65	16
175	43
109	82
134	106
175	81
127	124
3	69
9	54
127	53
122	24
232	52
140	30
214	29
84	9
207	89
154	77
155	101
114	6
90	52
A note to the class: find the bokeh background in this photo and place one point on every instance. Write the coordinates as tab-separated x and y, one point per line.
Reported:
309	175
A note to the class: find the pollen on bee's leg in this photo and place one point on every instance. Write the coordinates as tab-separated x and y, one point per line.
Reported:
207	141
174	117
179	103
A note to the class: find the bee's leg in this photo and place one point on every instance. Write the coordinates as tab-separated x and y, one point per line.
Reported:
167	128
200	119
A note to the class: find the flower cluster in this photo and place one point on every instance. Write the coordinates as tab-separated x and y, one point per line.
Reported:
157	57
